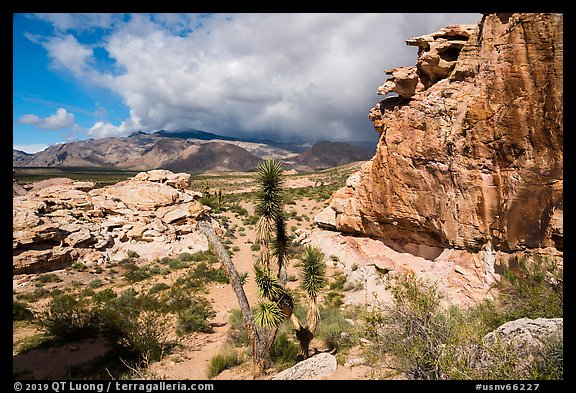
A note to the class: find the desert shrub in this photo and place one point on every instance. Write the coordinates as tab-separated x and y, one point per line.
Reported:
237	334
79	265
333	329
199	256
132	254
175	299
430	342
251	220
236	208
226	359
284	352
104	296
176	263
20	312
549	361
141	332
205	273
48	277
135	323
33	296
158	287
533	290
195	317
334	299
338	283
97	283
67	316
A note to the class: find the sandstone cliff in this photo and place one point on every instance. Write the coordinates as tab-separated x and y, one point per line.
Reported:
470	153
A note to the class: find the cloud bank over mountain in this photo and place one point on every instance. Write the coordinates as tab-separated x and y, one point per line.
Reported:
285	76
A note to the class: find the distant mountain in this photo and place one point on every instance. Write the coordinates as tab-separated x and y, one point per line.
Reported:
324	155
192	151
19	158
214	156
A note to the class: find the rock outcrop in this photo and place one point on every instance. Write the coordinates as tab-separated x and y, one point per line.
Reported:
61	221
526	333
471	150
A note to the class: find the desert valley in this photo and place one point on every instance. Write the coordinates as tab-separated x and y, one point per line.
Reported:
437	254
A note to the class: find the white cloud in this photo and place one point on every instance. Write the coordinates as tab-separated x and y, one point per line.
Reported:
275	75
103	129
32	148
59	120
66	52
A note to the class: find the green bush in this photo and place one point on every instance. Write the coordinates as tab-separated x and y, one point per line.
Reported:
48	277
177	263
34	296
97	283
67	316
104	296
237	334
222	361
533	290
158	287
331	327
284	351
20	312
334	299
132	272
195	317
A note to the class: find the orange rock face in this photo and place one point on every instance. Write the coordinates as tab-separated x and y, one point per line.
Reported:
474	155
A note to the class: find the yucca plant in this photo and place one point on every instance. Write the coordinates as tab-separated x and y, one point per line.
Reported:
271	224
279	304
268	314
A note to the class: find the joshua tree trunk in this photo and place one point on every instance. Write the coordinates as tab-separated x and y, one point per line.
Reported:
259	349
303	334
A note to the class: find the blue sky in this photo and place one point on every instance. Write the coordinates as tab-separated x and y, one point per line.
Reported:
278	76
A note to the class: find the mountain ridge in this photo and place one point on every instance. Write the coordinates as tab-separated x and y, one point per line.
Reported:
192	151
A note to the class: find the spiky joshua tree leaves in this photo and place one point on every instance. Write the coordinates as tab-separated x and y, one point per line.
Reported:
271	224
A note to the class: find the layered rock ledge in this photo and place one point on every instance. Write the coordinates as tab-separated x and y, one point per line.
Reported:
60	221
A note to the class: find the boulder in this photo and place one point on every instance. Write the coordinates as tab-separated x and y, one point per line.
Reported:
525	333
326	218
180	181
315	367
141	195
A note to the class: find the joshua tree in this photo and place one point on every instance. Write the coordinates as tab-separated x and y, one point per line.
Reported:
277	304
